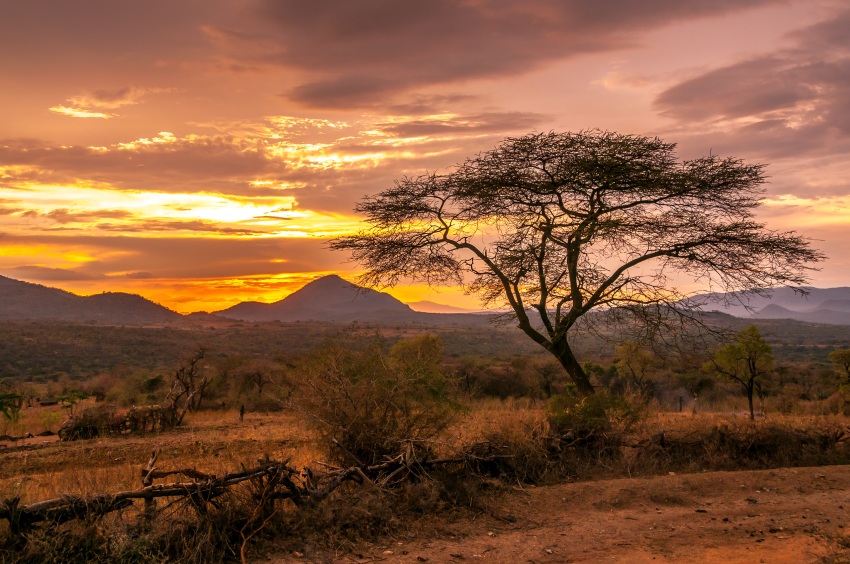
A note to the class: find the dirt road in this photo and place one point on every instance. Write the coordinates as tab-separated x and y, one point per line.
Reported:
772	516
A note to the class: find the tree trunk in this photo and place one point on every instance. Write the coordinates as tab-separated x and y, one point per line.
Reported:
750	399
562	351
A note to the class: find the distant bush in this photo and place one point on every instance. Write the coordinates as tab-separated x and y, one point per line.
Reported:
50	420
498	378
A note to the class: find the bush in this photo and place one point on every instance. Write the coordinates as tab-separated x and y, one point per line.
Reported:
369	404
517	451
592	430
601	412
739	444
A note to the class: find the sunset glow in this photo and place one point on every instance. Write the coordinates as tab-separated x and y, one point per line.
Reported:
212	165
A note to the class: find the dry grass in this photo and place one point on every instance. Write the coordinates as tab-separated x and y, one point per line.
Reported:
210	441
217	442
485	415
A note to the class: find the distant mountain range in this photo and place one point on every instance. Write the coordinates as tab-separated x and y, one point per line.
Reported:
332	299
22	300
328	299
432	307
818	305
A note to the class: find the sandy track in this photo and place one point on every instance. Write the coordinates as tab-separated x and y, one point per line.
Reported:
771	516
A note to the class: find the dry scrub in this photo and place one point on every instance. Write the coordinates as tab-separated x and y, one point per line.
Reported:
513	441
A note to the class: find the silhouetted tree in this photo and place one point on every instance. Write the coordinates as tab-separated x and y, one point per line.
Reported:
556	225
549	373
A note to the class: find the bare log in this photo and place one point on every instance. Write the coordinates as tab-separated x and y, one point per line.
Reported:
68	507
271	480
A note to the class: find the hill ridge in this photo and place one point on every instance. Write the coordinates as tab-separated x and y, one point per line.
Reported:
21	300
331	298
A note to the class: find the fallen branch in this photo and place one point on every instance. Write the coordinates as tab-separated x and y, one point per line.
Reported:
69	507
271	481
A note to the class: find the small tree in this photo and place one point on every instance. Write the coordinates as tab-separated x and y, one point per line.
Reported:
467	372
744	359
557	225
70	398
549	374
187	389
255	376
10	406
638	364
420	358
840	359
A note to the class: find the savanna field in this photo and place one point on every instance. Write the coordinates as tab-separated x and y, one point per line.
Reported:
399	451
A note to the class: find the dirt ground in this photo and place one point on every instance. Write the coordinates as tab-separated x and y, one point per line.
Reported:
785	515
792	515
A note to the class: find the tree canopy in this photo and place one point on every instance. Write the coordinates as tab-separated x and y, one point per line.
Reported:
744	359
840	359
556	225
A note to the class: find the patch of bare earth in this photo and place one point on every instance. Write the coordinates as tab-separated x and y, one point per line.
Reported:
783	515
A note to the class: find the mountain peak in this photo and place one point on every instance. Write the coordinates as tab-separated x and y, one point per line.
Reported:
330	280
329	298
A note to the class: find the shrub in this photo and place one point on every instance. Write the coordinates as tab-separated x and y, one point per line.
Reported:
602	411
369	403
516	451
50	419
736	444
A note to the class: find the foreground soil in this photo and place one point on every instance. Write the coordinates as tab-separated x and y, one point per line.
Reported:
784	515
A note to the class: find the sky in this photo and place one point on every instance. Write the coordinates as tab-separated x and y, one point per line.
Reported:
202	152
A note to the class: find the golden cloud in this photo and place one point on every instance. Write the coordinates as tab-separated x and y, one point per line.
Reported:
81	113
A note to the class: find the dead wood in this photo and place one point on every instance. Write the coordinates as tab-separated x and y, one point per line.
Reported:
68	507
269	481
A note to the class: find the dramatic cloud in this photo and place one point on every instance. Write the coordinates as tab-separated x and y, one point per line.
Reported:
360	52
280	157
63	215
110	99
453	124
92	104
787	103
211	259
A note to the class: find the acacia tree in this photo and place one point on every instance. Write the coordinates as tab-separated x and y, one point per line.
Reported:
744	359
557	225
